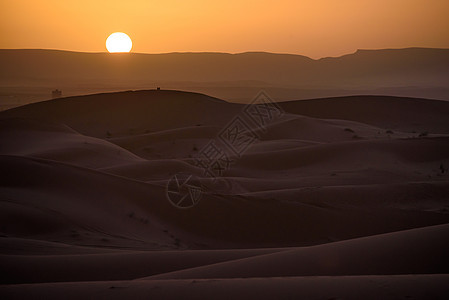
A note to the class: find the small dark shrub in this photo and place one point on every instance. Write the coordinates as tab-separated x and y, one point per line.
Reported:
425	133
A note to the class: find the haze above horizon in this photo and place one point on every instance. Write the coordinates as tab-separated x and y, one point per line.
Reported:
312	28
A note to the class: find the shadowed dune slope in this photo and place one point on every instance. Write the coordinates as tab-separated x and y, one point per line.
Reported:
125	113
314	287
416	251
116	265
48	200
397	113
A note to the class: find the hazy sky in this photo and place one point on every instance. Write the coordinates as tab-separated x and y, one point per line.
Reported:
315	28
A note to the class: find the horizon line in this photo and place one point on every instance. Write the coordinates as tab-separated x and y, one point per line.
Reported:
218	52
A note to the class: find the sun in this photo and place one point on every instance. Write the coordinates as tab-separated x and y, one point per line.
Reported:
119	42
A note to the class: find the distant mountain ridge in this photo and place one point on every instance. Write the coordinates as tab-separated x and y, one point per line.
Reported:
420	72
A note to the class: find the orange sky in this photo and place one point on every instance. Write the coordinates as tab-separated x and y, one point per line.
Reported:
315	28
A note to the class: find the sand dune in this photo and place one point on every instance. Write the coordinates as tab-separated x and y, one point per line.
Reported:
319	130
145	111
49	142
338	194
395	113
154	169
117	265
345	156
70	204
341	287
417	251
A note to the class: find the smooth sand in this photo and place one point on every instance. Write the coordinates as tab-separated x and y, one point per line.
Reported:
340	198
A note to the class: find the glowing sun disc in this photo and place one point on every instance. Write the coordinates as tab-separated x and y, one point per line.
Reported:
119	42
